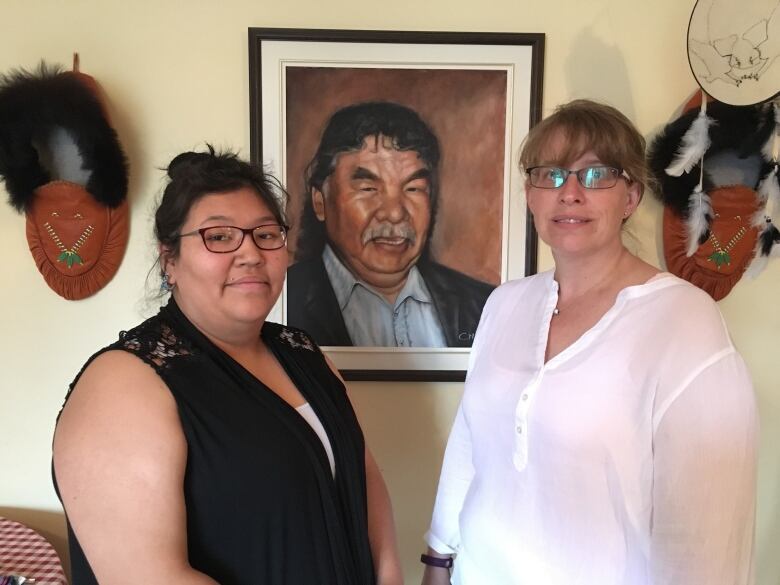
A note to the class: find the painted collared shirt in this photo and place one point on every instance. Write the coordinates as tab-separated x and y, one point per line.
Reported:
373	322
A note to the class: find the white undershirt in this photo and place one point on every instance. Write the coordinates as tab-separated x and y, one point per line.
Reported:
308	414
627	459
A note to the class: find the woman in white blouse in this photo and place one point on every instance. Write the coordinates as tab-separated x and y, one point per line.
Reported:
607	433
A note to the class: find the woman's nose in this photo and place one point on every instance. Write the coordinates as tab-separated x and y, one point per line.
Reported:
248	252
571	190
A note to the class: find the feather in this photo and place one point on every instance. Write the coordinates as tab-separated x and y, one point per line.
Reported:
694	144
766	247
770	146
769	187
759	218
699	219
768	238
758	263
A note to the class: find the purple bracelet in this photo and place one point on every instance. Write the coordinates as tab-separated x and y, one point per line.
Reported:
436	561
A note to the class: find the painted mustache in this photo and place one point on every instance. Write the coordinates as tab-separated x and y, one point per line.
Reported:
390	230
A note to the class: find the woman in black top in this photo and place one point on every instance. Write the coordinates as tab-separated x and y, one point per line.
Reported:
207	445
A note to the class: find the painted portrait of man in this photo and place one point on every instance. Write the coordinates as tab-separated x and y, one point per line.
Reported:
363	274
396	180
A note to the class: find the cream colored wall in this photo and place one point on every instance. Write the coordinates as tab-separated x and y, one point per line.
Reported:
176	76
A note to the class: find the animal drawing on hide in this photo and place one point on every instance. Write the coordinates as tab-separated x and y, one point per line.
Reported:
732	47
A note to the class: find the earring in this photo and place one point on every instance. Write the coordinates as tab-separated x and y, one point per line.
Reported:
165	285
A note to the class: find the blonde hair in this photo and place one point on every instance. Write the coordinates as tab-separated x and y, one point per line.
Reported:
588	126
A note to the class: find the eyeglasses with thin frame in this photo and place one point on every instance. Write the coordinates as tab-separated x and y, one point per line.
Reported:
222	239
592	177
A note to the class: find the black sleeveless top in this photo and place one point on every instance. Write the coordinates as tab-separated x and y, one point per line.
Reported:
263	507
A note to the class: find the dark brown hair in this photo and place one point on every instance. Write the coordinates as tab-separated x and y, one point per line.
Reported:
195	174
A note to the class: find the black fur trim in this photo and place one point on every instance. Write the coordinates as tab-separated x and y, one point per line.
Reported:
766	168
34	103
769	237
755	140
743	129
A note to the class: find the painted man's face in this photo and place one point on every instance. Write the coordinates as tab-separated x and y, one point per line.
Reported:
376	206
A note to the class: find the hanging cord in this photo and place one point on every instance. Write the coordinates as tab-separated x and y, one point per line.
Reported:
695	143
776	139
703	113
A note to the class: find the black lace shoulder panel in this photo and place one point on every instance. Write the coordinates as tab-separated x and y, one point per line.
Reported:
290	336
155	342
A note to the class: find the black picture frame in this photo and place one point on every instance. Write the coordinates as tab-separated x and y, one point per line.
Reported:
521	55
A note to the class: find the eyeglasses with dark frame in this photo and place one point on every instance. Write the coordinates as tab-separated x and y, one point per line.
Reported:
592	177
222	239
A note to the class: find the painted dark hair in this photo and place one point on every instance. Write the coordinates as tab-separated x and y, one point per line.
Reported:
191	175
345	132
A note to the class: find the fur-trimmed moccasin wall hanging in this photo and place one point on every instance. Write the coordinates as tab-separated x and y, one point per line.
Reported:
64	168
717	169
717	164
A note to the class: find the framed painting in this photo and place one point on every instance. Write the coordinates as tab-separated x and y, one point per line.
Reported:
406	208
